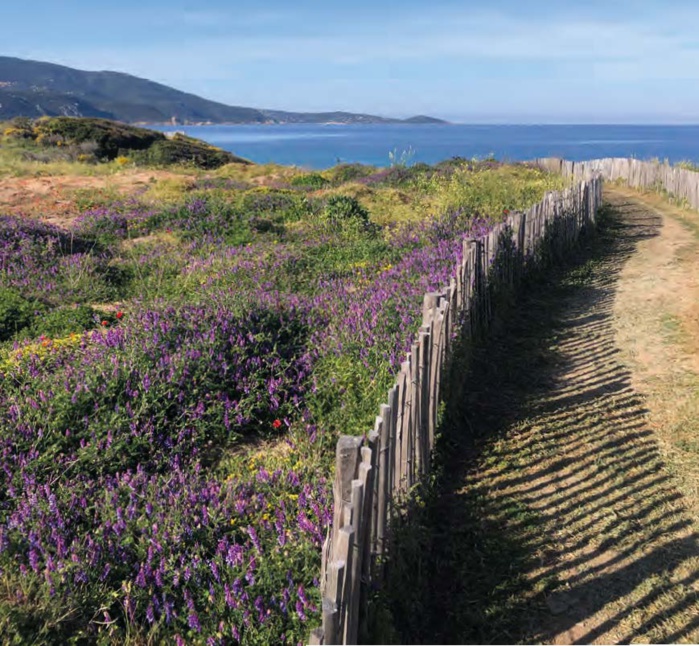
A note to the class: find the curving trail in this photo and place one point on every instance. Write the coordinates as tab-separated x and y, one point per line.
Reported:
569	509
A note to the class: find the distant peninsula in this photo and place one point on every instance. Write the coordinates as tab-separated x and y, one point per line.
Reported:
35	89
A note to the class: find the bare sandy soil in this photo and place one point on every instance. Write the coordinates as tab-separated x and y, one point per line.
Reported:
53	198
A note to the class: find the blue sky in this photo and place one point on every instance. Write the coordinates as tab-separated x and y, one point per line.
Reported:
514	61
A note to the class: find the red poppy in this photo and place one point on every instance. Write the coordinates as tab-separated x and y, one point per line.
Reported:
276	423
120	315
105	323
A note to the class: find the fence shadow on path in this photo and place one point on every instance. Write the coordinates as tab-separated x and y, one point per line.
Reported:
554	518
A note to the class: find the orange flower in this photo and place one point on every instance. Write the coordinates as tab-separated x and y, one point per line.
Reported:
105	323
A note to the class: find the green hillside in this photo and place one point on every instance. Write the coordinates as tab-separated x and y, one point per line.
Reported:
30	88
35	89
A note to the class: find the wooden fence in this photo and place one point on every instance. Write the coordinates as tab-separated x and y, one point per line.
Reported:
374	474
679	182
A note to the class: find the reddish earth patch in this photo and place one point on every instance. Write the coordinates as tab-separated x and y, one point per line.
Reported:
52	198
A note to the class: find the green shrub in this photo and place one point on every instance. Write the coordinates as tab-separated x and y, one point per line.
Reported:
311	180
18	128
452	163
348	172
279	205
341	209
687	165
90	139
109	137
186	151
16	313
63	321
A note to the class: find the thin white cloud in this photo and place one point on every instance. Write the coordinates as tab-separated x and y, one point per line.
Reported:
469	38
557	56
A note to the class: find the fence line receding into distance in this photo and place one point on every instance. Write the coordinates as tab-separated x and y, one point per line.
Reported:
679	182
375	473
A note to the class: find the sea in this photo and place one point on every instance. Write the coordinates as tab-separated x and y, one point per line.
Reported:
319	146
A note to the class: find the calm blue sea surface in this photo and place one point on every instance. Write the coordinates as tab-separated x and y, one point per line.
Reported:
320	146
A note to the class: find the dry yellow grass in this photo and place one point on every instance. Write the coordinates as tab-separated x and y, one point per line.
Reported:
658	331
568	512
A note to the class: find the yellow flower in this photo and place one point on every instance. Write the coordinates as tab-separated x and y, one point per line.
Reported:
41	349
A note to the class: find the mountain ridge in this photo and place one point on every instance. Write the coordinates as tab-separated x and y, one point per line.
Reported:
34	88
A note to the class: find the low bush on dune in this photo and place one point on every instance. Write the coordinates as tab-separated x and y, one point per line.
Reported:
109	137
100	140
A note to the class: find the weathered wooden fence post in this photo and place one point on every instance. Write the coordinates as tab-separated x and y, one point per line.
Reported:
374	475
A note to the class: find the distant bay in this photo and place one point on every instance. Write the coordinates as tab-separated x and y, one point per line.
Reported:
321	146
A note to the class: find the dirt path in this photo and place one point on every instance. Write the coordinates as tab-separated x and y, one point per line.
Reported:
568	509
657	328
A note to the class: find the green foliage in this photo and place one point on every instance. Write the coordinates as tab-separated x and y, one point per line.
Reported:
346	397
489	190
150	271
91	140
110	137
19	128
311	180
16	312
343	173
688	165
452	163
65	320
279	205
186	151
342	209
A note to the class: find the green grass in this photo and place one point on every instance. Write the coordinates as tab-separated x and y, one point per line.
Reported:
15	162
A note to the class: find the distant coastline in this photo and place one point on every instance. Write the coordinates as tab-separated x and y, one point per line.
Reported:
320	146
36	89
205	124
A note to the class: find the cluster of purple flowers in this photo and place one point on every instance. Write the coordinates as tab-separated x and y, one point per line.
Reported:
115	512
119	219
105	500
46	263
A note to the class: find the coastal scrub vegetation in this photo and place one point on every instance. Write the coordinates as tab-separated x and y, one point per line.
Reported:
98	141
175	367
